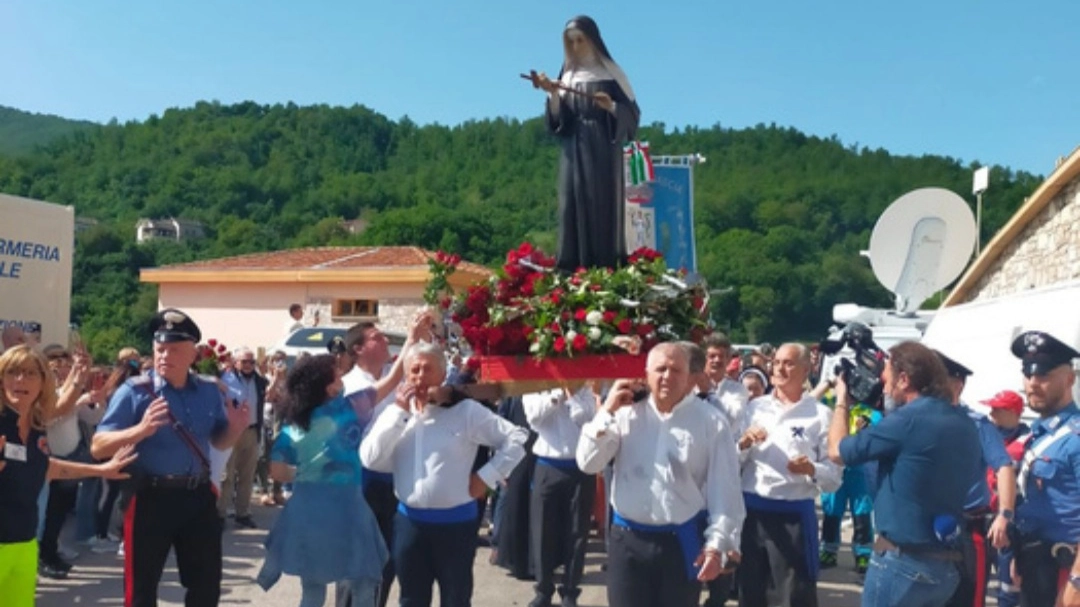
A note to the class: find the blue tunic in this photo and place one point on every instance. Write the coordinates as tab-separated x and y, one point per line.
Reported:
198	406
1050	510
994	456
326	532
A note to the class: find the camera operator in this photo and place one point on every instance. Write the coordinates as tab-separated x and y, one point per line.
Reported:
974	533
928	450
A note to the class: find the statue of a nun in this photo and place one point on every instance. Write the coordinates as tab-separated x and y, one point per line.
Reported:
592	120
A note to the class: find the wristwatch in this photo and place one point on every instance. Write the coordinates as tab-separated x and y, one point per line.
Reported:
1074	579
1007	515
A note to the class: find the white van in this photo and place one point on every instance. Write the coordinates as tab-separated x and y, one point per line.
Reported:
979	335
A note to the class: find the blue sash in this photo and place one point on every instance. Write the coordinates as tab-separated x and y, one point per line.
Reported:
442	516
691	536
561	464
807	514
368	476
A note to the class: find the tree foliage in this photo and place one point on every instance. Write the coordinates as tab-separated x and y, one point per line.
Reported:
781	215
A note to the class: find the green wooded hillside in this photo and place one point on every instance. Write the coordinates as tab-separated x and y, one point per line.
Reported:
21	132
781	216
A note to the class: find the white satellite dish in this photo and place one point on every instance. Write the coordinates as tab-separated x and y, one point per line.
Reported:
921	243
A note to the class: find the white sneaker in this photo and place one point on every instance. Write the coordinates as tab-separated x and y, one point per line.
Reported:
120	550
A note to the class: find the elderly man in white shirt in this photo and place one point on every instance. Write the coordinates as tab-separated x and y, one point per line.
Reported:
675	492
430	449
785	467
726	394
562	495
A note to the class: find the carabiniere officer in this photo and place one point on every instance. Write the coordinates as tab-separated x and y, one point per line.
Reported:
1048	518
172	416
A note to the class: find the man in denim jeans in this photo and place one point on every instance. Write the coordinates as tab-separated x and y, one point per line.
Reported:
928	453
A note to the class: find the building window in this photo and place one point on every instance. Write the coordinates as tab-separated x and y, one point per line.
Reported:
356	308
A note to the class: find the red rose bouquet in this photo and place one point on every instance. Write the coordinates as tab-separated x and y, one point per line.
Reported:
529	308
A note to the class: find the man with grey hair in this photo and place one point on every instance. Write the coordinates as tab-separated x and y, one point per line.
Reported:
428	440
786	466
675	493
243	378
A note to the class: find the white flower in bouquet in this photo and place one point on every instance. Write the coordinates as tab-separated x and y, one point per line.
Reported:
594	318
595	333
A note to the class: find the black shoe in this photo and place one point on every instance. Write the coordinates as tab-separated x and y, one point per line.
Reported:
53	571
246	522
540	601
569	601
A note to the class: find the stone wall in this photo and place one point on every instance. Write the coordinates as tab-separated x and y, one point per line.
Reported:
396	314
1044	253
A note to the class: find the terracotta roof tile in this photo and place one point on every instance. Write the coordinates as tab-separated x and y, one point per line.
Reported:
321	258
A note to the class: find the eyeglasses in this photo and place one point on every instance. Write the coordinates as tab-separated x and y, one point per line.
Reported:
16	373
247	361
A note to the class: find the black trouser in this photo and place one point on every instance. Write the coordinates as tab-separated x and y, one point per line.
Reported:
383	503
975	568
647	569
158	519
1041	574
559	512
109	492
774	568
425	553
61	502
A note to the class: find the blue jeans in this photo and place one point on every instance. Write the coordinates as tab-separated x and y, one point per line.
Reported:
903	580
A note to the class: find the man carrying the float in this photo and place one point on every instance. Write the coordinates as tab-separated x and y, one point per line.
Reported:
562	495
675	494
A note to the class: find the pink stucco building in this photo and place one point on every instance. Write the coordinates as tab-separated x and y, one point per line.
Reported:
244	300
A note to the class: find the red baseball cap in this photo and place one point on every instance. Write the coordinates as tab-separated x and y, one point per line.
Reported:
1006	399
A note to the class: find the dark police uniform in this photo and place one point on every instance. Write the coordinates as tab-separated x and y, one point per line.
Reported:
1048	518
174	504
975	568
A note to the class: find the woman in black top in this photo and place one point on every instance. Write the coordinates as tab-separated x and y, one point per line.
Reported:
26	401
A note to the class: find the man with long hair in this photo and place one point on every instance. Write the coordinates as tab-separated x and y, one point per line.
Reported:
929	453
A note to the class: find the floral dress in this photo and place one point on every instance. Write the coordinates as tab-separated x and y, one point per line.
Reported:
326	532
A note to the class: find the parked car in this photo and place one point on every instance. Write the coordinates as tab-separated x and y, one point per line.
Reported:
313	340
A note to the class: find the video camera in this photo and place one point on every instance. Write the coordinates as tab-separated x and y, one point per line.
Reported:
861	367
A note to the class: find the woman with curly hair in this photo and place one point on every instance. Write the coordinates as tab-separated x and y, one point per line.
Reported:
27	403
326	532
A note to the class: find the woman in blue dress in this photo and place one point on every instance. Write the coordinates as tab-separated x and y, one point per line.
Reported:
326	533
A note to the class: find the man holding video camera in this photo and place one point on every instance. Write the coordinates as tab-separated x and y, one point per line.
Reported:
928	451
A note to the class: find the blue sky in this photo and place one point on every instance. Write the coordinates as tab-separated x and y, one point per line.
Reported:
993	81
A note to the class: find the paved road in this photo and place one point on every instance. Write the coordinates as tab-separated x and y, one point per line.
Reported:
97	580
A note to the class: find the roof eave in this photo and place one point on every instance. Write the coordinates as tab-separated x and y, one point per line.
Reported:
1062	175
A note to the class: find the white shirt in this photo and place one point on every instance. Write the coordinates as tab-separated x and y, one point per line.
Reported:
292	325
63	435
431	453
731	397
669	467
358	379
799	429
557	420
